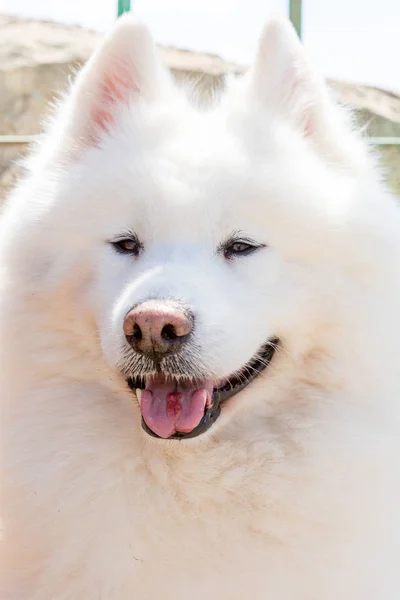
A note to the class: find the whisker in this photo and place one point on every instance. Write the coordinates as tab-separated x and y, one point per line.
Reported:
190	369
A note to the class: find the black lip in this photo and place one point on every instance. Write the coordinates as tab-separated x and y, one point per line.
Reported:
233	386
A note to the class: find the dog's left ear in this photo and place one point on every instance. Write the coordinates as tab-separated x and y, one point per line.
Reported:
125	72
284	82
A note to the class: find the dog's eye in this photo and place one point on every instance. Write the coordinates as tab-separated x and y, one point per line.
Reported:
128	246
239	248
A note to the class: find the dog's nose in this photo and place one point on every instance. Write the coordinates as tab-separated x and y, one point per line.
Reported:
156	327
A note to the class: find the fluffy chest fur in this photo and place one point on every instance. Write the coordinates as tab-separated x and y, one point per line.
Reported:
104	512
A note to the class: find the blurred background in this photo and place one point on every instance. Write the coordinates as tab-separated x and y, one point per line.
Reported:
354	43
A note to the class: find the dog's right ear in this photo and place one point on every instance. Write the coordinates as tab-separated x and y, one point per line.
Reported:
124	71
284	82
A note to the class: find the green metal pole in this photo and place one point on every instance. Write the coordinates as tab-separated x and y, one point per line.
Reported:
295	15
123	6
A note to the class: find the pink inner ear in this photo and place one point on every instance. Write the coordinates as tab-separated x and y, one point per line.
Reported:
298	100
309	126
117	86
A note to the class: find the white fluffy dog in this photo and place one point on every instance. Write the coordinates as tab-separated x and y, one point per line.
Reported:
200	343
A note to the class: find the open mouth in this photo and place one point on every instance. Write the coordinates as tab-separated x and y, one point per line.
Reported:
179	409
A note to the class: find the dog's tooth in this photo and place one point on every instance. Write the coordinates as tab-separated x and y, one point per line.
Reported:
138	394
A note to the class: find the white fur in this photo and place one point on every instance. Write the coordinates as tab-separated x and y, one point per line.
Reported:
293	493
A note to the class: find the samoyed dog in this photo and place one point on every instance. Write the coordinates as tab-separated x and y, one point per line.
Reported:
200	342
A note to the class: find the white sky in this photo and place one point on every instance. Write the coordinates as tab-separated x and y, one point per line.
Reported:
354	40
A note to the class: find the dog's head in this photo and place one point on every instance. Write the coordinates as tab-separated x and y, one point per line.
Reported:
206	244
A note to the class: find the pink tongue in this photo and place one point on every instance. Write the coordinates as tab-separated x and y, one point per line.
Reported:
167	409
